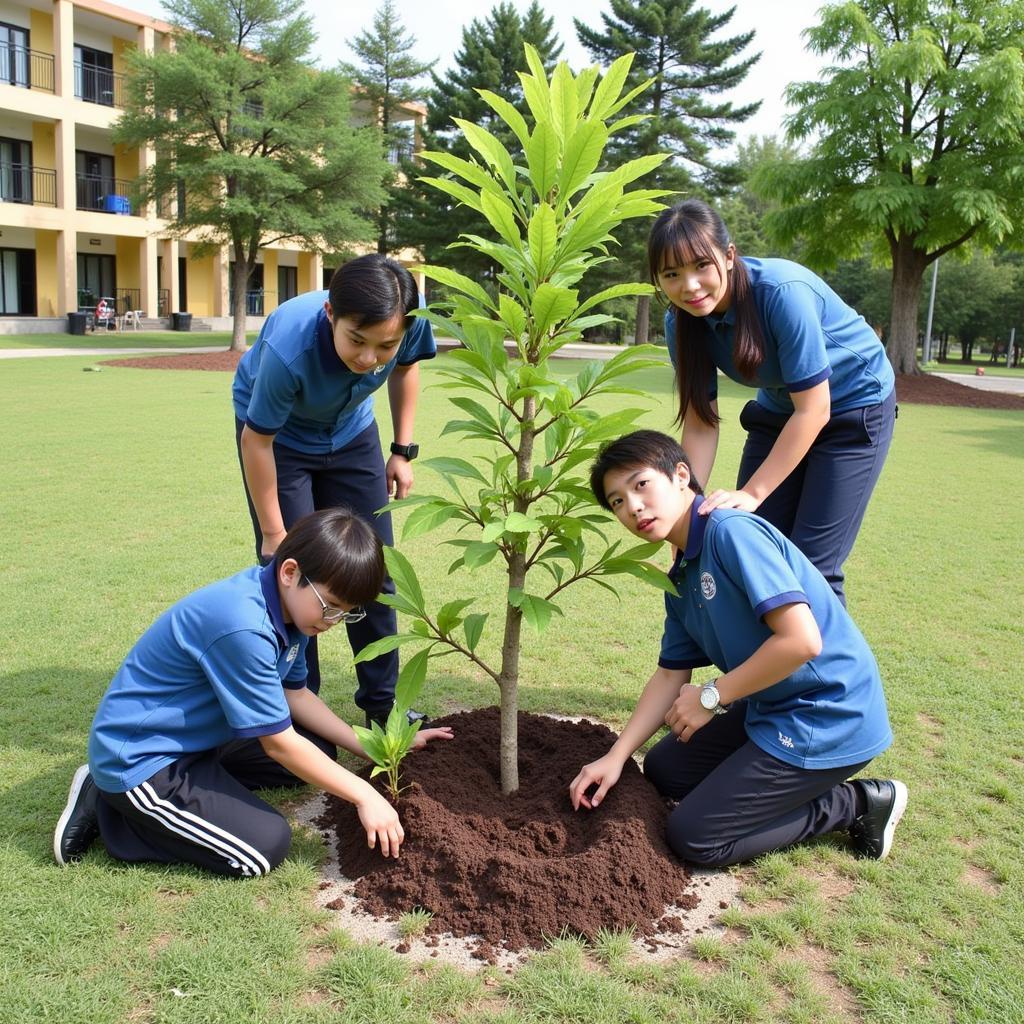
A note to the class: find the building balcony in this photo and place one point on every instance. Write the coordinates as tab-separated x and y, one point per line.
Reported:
23	183
106	195
99	85
26	69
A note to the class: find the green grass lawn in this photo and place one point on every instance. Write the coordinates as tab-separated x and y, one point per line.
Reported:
998	369
121	493
122	339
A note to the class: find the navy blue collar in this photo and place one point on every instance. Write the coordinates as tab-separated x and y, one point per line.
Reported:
694	540
329	358
715	320
268	584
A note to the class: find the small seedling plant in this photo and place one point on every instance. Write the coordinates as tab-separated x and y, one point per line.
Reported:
387	747
523	502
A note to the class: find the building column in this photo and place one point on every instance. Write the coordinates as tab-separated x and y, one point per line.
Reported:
148	283
64	48
311	272
221	282
67	272
170	281
64	162
271	300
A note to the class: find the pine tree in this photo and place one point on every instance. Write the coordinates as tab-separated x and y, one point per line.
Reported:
385	80
673	46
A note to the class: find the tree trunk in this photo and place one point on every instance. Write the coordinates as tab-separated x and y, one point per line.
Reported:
240	274
643	320
908	266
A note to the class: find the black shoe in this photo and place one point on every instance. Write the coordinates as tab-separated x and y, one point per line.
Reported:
380	716
78	825
871	833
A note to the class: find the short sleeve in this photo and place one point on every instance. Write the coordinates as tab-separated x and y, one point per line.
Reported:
242	670
417	343
670	341
793	314
749	553
678	649
273	394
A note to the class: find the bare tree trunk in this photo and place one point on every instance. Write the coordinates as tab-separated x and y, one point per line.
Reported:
643	320
240	282
908	266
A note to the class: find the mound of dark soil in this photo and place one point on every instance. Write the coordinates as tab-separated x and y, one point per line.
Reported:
514	870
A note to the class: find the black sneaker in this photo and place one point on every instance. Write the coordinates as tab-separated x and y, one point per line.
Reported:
871	833
380	716
78	825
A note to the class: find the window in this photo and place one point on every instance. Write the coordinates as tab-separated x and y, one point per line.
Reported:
17	282
15	171
97	279
287	283
94	76
14	56
95	179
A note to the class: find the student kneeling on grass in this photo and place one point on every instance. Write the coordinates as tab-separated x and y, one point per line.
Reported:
215	685
759	757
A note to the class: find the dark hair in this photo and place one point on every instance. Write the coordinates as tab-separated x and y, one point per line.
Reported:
339	549
692	231
647	448
371	289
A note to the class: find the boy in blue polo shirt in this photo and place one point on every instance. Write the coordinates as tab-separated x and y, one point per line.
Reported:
306	434
212	702
758	758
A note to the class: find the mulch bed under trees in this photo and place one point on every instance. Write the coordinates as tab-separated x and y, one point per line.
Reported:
919	389
514	870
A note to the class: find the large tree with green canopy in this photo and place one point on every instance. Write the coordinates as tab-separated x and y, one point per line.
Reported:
253	144
918	133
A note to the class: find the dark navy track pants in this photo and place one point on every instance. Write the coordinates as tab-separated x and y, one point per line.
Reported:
352	476
736	801
821	504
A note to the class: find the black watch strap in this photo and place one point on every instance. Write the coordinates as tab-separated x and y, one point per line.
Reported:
408	451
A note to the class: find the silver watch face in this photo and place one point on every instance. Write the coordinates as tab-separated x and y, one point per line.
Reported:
709	698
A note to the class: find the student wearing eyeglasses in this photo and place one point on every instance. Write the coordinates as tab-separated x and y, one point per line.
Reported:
212	703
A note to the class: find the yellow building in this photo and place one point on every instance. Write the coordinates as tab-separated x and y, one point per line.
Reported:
69	236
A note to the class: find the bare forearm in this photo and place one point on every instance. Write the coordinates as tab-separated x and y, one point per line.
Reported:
261	480
792	444
700	442
649	715
309	711
307	762
403	392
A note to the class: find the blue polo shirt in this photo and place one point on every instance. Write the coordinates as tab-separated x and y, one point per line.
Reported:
211	669
293	384
736	568
810	335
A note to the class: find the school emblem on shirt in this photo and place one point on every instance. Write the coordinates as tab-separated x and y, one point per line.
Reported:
293	653
786	741
707	586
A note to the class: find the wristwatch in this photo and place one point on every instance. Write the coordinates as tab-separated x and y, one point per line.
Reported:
711	700
408	451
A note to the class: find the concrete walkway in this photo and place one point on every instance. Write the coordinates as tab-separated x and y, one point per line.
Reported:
1009	385
30	353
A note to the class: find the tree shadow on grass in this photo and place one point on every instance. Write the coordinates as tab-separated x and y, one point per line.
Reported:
1005	437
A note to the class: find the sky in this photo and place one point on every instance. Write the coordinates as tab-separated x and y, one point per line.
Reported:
437	27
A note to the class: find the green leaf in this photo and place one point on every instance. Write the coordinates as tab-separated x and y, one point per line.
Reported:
550	305
542	156
477	553
501	216
516	522
404	576
537	96
448	615
411	679
457	191
616	291
429	517
642	571
513	315
492	531
564	101
610	87
583	151
453	279
543	237
473	627
448	466
473	173
508	114
383	646
537	611
490	148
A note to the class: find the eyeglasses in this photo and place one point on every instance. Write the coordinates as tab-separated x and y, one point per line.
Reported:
332	614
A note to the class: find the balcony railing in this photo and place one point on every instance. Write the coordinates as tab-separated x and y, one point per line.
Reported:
26	69
163	302
98	85
98	192
23	183
400	152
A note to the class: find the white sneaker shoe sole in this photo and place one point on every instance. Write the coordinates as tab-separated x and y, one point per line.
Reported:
899	806
58	833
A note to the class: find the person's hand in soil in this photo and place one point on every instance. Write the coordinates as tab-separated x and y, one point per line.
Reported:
687	715
424	736
603	773
381	822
